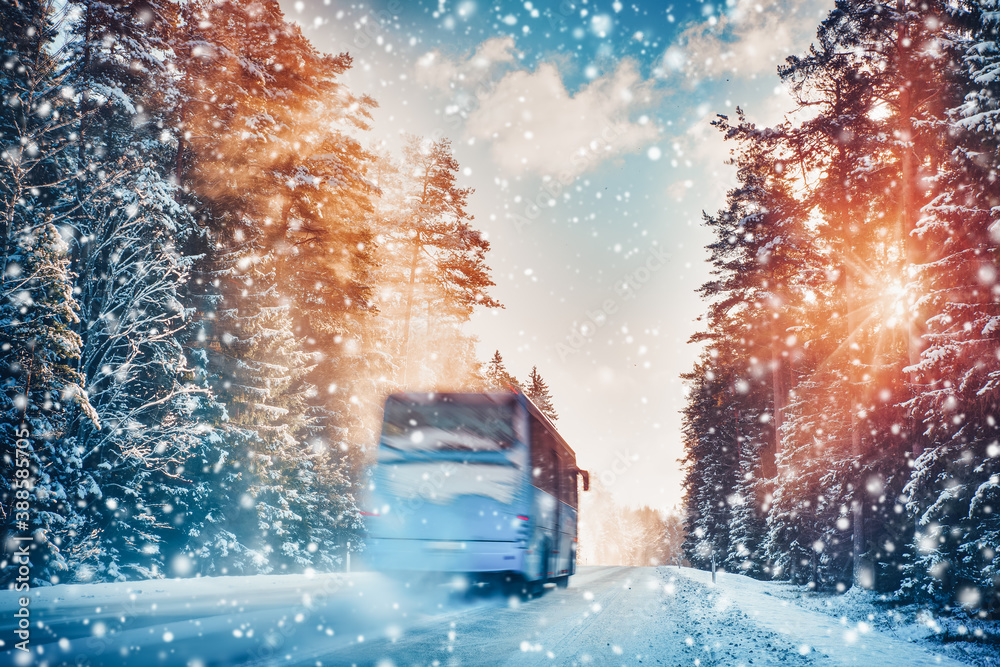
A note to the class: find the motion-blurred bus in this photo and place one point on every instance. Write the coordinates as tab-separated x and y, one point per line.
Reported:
474	484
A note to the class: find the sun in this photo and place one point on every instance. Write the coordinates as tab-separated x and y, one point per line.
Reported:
893	304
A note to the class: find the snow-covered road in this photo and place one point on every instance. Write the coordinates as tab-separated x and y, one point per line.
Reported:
608	616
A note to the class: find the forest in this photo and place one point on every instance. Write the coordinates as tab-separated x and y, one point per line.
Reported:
841	421
212	278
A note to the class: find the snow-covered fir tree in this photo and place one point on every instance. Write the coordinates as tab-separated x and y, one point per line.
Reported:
875	89
128	234
39	348
496	375
711	457
440	272
285	280
759	245
955	489
537	390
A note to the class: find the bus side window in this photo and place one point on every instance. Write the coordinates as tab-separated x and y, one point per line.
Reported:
554	472
547	479
543	459
569	488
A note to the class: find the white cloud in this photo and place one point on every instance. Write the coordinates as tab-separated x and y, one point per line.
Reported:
536	125
752	38
702	148
438	71
530	120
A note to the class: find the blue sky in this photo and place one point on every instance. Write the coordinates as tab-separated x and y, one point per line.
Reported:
584	128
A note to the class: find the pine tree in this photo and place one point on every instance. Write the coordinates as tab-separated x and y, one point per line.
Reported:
872	88
39	344
954	492
497	377
711	456
759	248
445	272
131	282
127	231
852	71
286	276
538	391
40	381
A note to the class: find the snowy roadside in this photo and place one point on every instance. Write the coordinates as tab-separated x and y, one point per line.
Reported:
101	613
157	590
844	629
609	615
719	631
970	640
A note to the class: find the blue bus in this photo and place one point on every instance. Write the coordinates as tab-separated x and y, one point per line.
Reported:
475	484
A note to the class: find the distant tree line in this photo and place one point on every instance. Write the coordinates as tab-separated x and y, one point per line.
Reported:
841	422
613	534
209	282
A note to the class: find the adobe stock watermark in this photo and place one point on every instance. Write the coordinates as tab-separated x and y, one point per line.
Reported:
21	541
623	461
580	335
418	496
457	113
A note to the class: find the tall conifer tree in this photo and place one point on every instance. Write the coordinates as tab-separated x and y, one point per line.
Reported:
538	391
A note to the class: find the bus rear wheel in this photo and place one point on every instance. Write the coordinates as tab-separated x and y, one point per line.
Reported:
562	582
514	585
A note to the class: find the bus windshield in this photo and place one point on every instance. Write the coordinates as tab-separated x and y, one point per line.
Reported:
446	424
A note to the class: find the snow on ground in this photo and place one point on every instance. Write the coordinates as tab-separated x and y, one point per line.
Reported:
956	634
71	610
608	616
226	590
721	632
97	621
844	629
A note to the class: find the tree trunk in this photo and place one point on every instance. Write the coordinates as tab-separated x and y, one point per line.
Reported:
909	208
863	572
85	93
179	163
409	308
770	464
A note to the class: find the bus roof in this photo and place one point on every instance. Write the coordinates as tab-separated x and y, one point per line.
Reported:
536	412
428	397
